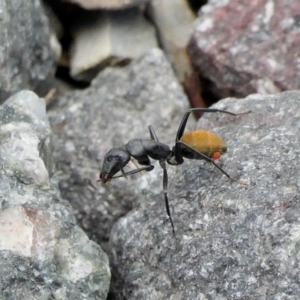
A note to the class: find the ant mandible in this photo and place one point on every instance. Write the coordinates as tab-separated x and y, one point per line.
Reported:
197	144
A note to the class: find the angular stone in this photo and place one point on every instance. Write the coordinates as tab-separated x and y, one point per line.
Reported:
233	241
27	60
35	223
244	47
107	38
174	21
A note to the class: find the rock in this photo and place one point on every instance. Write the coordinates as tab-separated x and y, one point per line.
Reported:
107	38
233	242
108	4
56	31
118	107
44	254
174	22
26	57
245	47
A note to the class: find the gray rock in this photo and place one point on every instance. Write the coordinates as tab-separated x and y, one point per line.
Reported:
118	107
56	31
233	242
174	22
27	61
43	253
247	47
109	37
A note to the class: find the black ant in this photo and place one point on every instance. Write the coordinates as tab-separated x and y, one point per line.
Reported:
197	144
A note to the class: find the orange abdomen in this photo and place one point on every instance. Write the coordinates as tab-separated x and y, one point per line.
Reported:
205	142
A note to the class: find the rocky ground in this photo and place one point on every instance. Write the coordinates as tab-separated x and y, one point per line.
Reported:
81	77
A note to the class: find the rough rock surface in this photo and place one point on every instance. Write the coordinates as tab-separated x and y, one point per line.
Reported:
233	242
174	22
245	47
118	107
27	61
43	253
106	38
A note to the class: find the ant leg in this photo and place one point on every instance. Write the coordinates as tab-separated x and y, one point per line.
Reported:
182	125
185	117
208	159
165	189
122	170
181	128
152	133
165	180
146	168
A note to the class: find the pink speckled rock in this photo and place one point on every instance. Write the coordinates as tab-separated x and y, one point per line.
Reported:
246	47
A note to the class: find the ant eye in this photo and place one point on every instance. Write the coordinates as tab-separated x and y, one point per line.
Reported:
108	159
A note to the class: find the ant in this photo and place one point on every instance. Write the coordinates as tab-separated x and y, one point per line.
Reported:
197	144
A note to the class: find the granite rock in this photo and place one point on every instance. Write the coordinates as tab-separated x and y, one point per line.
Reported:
233	241
27	58
245	47
44	254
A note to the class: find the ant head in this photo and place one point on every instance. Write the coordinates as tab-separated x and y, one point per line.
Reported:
105	178
114	160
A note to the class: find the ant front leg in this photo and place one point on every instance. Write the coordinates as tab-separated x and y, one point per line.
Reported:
146	168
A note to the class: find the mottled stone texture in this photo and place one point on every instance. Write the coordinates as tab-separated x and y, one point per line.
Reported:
43	253
104	38
26	59
233	242
119	106
174	22
245	46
